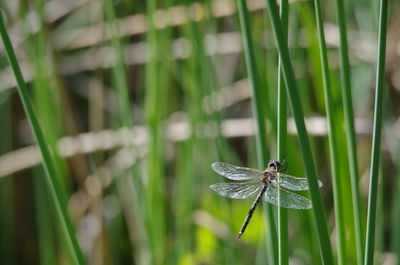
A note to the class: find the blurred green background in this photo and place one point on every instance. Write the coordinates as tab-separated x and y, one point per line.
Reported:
138	98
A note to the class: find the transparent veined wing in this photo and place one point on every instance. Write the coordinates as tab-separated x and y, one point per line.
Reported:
238	190
287	199
236	173
293	183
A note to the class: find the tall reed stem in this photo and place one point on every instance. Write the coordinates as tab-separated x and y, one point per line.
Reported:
297	111
345	73
333	145
283	257
258	112
376	137
53	181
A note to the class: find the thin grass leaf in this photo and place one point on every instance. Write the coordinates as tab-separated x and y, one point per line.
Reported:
53	181
155	98
349	123
376	137
45	97
297	111
333	145
283	256
119	70
45	90
134	199
258	112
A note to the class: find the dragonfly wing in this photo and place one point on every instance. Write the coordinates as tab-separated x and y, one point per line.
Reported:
237	190
293	183
287	199
236	173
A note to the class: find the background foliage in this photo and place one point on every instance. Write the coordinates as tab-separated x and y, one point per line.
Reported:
136	99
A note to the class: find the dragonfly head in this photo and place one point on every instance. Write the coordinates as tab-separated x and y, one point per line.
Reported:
274	165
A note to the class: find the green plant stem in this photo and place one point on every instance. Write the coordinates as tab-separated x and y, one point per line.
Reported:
294	101
118	71
53	181
258	112
376	138
333	145
283	257
124	119
154	101
349	123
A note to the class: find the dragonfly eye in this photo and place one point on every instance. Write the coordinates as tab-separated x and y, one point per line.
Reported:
274	164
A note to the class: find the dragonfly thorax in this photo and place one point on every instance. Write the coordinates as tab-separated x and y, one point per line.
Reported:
269	176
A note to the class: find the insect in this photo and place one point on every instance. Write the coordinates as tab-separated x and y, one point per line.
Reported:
270	182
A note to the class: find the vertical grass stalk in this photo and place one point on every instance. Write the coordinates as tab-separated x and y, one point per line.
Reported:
333	145
119	70
45	97
258	112
53	181
349	123
154	103
134	198
297	111
376	137
283	257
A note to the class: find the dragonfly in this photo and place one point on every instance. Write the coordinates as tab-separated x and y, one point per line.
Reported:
254	183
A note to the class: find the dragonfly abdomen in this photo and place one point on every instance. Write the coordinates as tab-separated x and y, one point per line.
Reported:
251	211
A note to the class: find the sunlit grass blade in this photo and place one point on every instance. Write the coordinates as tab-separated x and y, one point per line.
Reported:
193	76
297	111
45	97
132	199
53	181
255	83
376	137
119	70
156	82
283	257
349	123
258	112
333	145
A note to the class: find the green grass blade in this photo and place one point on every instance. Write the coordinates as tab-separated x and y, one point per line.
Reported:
258	112
134	199
291	89
53	181
255	82
283	257
155	100
118	71
349	123
333	145
376	138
